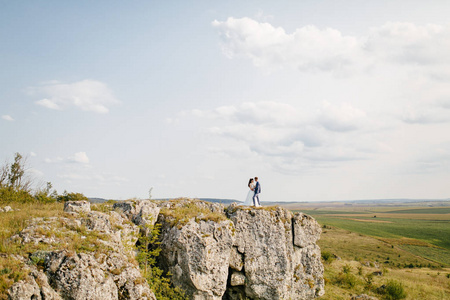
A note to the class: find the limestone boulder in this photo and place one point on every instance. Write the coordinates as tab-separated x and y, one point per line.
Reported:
306	230
197	254
140	212
274	267
77	206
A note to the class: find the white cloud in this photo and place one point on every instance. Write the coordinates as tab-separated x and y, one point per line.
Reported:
342	118
78	158
8	118
36	173
53	160
425	114
310	48
307	48
33	154
408	43
103	178
87	95
287	140
266	112
49	104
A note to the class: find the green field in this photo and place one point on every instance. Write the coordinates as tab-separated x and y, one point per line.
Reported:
426	236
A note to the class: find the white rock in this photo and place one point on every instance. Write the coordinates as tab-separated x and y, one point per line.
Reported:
77	206
237	278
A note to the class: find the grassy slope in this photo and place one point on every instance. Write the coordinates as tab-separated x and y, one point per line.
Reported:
396	238
78	240
11	223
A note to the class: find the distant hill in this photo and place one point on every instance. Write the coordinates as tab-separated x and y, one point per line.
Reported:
97	200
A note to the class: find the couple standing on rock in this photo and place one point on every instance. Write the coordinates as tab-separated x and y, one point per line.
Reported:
253	194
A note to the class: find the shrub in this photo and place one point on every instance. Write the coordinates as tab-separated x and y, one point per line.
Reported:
45	195
327	256
347	280
392	290
346	269
71	197
360	270
368	281
148	251
8	195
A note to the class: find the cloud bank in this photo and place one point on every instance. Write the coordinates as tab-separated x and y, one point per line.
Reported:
310	49
292	140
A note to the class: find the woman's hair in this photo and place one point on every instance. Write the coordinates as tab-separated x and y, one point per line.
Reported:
250	181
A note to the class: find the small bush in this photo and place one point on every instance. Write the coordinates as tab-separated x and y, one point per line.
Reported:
9	195
360	270
346	280
346	269
71	197
368	281
327	256
392	290
45	195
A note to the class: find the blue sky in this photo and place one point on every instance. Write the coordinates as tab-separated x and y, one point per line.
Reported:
323	100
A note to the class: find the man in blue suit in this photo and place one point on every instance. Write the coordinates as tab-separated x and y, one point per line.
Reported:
257	192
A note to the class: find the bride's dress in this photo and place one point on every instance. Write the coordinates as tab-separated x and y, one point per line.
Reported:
249	200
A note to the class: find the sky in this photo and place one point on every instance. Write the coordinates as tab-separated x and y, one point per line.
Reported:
322	100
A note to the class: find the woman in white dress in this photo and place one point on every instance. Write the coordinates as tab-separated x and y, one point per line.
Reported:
249	200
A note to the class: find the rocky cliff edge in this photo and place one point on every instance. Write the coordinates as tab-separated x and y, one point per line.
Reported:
211	251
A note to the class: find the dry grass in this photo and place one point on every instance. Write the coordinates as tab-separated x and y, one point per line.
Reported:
12	270
66	236
187	210
421	283
354	246
356	250
15	221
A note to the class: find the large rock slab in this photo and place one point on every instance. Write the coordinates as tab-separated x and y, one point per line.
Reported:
274	267
77	206
197	253
306	230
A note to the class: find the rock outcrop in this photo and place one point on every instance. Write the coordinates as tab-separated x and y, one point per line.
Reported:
197	253
241	252
100	267
211	251
279	255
